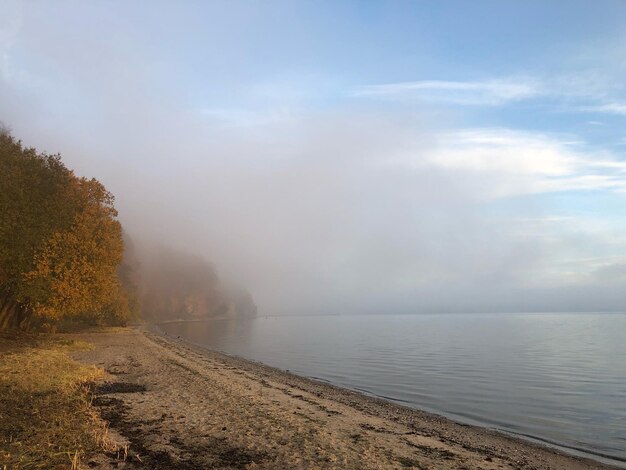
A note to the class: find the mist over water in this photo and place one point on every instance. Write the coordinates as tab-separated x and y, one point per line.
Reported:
335	159
555	377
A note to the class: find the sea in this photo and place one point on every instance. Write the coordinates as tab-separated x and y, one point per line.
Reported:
556	378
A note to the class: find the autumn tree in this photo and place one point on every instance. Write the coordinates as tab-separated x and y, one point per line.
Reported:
75	272
60	242
128	273
33	205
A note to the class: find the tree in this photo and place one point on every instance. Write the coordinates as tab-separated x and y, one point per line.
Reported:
75	272
33	204
60	241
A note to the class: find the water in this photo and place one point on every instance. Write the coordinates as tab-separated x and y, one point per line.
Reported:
560	378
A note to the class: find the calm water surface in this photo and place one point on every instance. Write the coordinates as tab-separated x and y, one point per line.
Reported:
560	378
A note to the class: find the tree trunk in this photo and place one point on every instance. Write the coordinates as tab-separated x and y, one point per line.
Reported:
12	314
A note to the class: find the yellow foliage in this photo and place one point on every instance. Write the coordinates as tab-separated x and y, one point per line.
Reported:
60	241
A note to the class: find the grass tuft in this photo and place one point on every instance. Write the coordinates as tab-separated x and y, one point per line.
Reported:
46	417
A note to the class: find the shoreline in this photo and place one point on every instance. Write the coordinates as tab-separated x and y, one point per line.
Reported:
606	459
237	413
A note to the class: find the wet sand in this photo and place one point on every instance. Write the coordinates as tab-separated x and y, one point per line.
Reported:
179	406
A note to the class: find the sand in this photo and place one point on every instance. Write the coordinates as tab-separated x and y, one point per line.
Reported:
179	406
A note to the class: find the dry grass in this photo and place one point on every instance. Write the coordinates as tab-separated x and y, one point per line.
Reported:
46	417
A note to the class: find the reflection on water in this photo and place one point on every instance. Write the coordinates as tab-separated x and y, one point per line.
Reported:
557	377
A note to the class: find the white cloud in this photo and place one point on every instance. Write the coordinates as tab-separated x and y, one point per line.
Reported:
503	162
490	92
580	93
618	108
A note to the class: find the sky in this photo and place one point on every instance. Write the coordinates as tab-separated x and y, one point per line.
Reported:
341	157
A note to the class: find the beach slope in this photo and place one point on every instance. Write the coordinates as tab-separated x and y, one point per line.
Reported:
178	406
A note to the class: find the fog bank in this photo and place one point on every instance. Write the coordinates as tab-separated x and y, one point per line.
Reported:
306	186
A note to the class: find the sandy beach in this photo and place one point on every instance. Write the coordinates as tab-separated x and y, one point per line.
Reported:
179	406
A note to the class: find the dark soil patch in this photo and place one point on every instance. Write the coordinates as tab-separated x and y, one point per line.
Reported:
433	451
409	463
115	411
119	387
212	453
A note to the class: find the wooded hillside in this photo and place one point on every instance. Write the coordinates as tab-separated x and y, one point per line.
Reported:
65	260
60	244
176	285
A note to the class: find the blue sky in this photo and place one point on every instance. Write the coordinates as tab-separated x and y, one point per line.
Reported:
431	156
